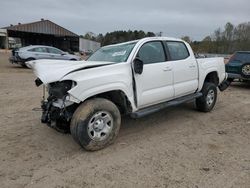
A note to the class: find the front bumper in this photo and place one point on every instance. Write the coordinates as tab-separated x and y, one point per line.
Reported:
52	113
14	59
56	118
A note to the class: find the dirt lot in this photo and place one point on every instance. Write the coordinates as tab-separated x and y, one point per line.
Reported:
178	147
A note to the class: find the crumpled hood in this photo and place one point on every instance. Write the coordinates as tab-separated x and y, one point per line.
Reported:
49	71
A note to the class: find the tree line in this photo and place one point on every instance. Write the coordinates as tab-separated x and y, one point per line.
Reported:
225	40
118	36
222	41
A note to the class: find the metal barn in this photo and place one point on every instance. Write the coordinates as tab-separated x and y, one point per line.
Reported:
44	32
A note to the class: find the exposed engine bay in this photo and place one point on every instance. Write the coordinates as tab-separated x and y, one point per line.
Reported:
57	110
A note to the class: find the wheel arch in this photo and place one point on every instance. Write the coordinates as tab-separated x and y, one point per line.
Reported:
30	59
212	77
118	97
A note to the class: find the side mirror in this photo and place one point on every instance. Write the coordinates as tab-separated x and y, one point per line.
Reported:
64	53
138	66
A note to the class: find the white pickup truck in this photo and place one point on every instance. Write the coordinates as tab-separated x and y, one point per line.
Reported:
135	78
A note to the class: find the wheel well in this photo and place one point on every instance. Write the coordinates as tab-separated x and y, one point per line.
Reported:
119	98
30	59
212	77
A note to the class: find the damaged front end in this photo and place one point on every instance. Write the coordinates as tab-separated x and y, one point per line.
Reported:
57	108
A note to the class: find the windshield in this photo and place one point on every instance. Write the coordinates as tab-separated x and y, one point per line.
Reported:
116	53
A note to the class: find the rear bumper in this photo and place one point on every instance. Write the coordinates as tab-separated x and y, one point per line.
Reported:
237	76
225	84
233	75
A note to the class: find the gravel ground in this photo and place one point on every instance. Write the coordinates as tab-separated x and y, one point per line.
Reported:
177	147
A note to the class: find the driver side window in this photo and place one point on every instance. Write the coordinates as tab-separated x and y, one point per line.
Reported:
152	52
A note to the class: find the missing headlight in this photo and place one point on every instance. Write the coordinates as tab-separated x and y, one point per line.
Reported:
59	89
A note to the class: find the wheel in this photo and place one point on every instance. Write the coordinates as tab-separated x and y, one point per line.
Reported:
95	124
72	59
245	70
207	101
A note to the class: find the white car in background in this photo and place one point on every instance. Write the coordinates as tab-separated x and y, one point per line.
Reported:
28	53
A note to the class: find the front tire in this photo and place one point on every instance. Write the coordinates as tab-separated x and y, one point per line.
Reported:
95	124
207	101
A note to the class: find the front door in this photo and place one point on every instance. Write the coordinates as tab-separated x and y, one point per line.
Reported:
55	53
155	84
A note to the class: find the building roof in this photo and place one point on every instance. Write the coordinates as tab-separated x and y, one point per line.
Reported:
42	27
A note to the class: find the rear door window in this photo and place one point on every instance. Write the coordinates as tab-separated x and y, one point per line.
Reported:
39	49
177	50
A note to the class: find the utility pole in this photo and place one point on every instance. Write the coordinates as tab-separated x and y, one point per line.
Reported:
159	34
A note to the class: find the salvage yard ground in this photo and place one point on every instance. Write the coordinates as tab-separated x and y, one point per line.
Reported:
177	147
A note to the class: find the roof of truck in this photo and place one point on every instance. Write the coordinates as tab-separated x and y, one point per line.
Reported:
148	39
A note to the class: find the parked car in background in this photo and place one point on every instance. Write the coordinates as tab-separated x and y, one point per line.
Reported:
238	66
28	53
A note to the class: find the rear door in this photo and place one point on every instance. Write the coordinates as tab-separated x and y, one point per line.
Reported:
155	84
39	53
185	68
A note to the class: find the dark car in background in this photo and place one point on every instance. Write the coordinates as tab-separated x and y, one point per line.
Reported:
28	53
238	66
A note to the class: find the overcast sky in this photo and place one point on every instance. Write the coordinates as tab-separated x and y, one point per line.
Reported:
175	18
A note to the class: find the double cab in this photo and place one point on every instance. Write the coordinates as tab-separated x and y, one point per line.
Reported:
135	78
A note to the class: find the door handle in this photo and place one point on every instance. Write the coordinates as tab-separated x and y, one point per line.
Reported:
192	66
167	69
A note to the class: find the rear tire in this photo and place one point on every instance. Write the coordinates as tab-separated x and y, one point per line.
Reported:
95	124
207	101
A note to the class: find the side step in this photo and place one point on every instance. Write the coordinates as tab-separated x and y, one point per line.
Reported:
155	108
